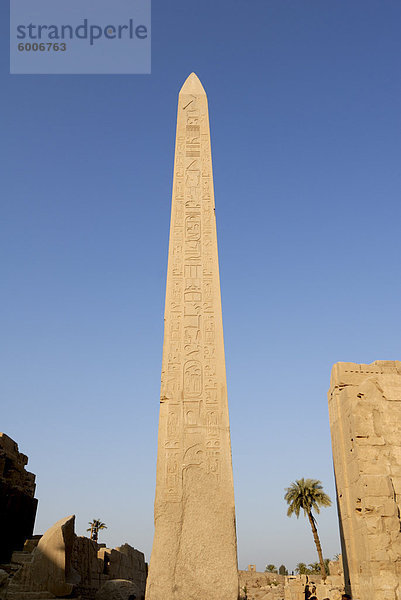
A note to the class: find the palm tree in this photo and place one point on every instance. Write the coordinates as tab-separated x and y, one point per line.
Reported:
308	494
271	569
302	569
315	568
95	526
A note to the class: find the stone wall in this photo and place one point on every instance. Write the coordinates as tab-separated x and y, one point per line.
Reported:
17	503
63	563
331	589
96	565
261	586
365	421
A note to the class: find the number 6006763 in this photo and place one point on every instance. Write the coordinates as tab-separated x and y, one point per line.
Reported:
42	47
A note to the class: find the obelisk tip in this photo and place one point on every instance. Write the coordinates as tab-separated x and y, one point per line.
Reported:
192	85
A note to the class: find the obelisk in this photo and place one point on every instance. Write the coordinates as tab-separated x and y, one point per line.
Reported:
194	555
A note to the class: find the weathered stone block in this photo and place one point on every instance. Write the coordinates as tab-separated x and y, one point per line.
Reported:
49	569
365	421
17	503
63	563
375	485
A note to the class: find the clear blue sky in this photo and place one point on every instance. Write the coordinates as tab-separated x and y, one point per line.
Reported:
304	100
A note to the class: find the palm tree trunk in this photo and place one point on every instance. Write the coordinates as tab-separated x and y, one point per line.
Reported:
318	546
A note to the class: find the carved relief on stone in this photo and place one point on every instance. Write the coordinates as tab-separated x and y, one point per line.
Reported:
192	308
206	166
192	227
192	178
194	456
207	307
208	351
192	418
207	206
192	296
179	188
180	146
194	460
192	250
179	212
178	230
205	188
192	378
208	290
172	473
192	140
207	244
177	260
213	445
192	135
191	106
174	353
193	201
172	424
175	327
207	220
172	444
213	464
193	272
192	335
212	423
176	291
207	266
211	395
209	329
210	381
210	369
173	380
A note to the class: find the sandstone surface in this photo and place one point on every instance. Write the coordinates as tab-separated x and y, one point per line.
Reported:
365	421
62	563
49	567
255	585
194	555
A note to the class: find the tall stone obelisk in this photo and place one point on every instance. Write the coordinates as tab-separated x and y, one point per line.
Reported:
194	554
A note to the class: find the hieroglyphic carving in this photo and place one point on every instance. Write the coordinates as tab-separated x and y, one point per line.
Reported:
213	463
175	327
209	329
212	423
192	338
173	379
172	476
194	457
192	227
208	351
192	251
192	378
177	260
191	310
211	395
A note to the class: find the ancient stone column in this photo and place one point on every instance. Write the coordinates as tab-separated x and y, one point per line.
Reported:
194	554
365	422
